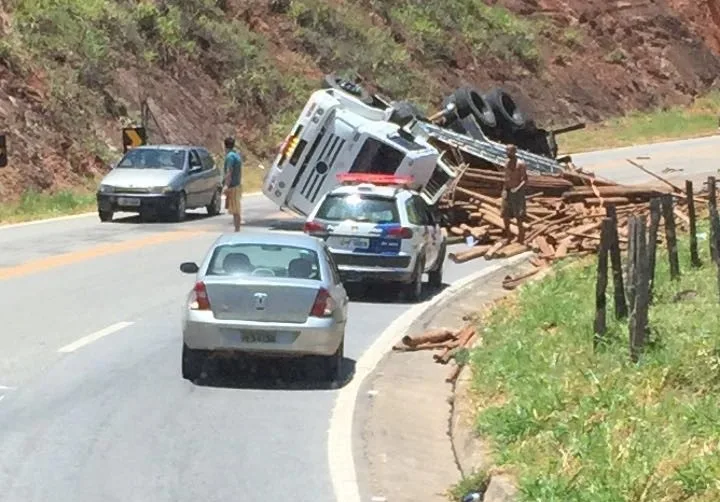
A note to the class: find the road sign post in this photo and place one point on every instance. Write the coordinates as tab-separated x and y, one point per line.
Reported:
133	137
3	151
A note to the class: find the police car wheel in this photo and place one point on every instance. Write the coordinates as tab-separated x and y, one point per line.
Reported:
414	288
435	276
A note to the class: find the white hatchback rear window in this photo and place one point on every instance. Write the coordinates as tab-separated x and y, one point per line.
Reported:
360	208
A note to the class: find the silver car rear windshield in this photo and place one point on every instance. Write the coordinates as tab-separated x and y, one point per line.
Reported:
153	158
259	260
357	207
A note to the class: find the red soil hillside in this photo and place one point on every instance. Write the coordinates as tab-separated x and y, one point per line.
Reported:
214	67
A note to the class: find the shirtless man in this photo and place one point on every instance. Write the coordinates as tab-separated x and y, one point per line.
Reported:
513	195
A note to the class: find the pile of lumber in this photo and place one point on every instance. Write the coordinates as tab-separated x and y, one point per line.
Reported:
445	341
564	213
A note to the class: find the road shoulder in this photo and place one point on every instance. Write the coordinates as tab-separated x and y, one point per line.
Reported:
405	413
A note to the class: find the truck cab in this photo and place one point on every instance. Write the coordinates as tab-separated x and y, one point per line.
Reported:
338	134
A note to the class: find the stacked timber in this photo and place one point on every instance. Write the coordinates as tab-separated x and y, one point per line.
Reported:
564	213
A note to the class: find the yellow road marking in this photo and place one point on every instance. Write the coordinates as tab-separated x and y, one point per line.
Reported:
50	262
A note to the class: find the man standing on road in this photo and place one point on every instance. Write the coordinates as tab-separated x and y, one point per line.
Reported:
233	182
513	195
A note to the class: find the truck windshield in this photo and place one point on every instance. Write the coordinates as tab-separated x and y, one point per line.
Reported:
377	157
361	208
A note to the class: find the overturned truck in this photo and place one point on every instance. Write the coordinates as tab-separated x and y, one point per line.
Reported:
345	129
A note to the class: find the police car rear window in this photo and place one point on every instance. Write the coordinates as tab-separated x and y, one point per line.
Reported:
361	208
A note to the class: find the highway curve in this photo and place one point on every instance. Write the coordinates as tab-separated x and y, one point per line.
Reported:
92	404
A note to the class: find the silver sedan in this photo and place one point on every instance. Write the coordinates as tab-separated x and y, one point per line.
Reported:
265	293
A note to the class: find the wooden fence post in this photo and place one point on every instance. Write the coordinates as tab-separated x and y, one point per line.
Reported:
621	309
631	279
630	266
694	256
652	241
715	238
640	310
671	236
712	205
600	326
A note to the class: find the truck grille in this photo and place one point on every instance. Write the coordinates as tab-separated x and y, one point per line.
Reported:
437	181
358	260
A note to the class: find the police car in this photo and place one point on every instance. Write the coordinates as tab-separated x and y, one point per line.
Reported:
380	230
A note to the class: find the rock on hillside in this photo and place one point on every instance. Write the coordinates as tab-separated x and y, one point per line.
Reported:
73	72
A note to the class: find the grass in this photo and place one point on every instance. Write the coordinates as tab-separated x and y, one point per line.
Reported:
34	205
699	119
582	426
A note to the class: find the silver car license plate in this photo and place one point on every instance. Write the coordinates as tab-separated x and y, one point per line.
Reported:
129	201
258	337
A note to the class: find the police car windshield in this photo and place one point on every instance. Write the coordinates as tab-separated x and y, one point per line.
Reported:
360	208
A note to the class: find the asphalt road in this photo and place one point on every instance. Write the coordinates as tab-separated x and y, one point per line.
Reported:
92	405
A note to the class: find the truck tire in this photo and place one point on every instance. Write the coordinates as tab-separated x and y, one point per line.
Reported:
470	102
404	112
332	81
510	118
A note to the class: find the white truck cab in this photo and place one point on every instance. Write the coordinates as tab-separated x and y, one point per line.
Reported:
337	133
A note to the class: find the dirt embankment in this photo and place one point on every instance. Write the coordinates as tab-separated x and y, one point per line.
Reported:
246	66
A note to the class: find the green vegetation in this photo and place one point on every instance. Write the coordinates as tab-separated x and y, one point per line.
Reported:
475	482
579	425
34	205
437	27
332	33
699	119
79	43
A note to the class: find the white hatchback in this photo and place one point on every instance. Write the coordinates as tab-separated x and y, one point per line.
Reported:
379	230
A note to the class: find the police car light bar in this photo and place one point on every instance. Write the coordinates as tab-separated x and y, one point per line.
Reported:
374	179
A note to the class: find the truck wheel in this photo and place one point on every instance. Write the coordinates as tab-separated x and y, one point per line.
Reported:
435	276
192	363
105	215
470	102
509	115
404	112
332	81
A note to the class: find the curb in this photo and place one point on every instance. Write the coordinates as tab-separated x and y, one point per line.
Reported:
75	217
501	487
340	452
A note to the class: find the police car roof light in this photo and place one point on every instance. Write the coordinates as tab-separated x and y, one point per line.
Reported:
374	179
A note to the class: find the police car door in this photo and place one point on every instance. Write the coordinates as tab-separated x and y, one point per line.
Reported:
431	231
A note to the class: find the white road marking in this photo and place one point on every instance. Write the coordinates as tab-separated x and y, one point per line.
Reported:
5	387
93	337
78	216
340	445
